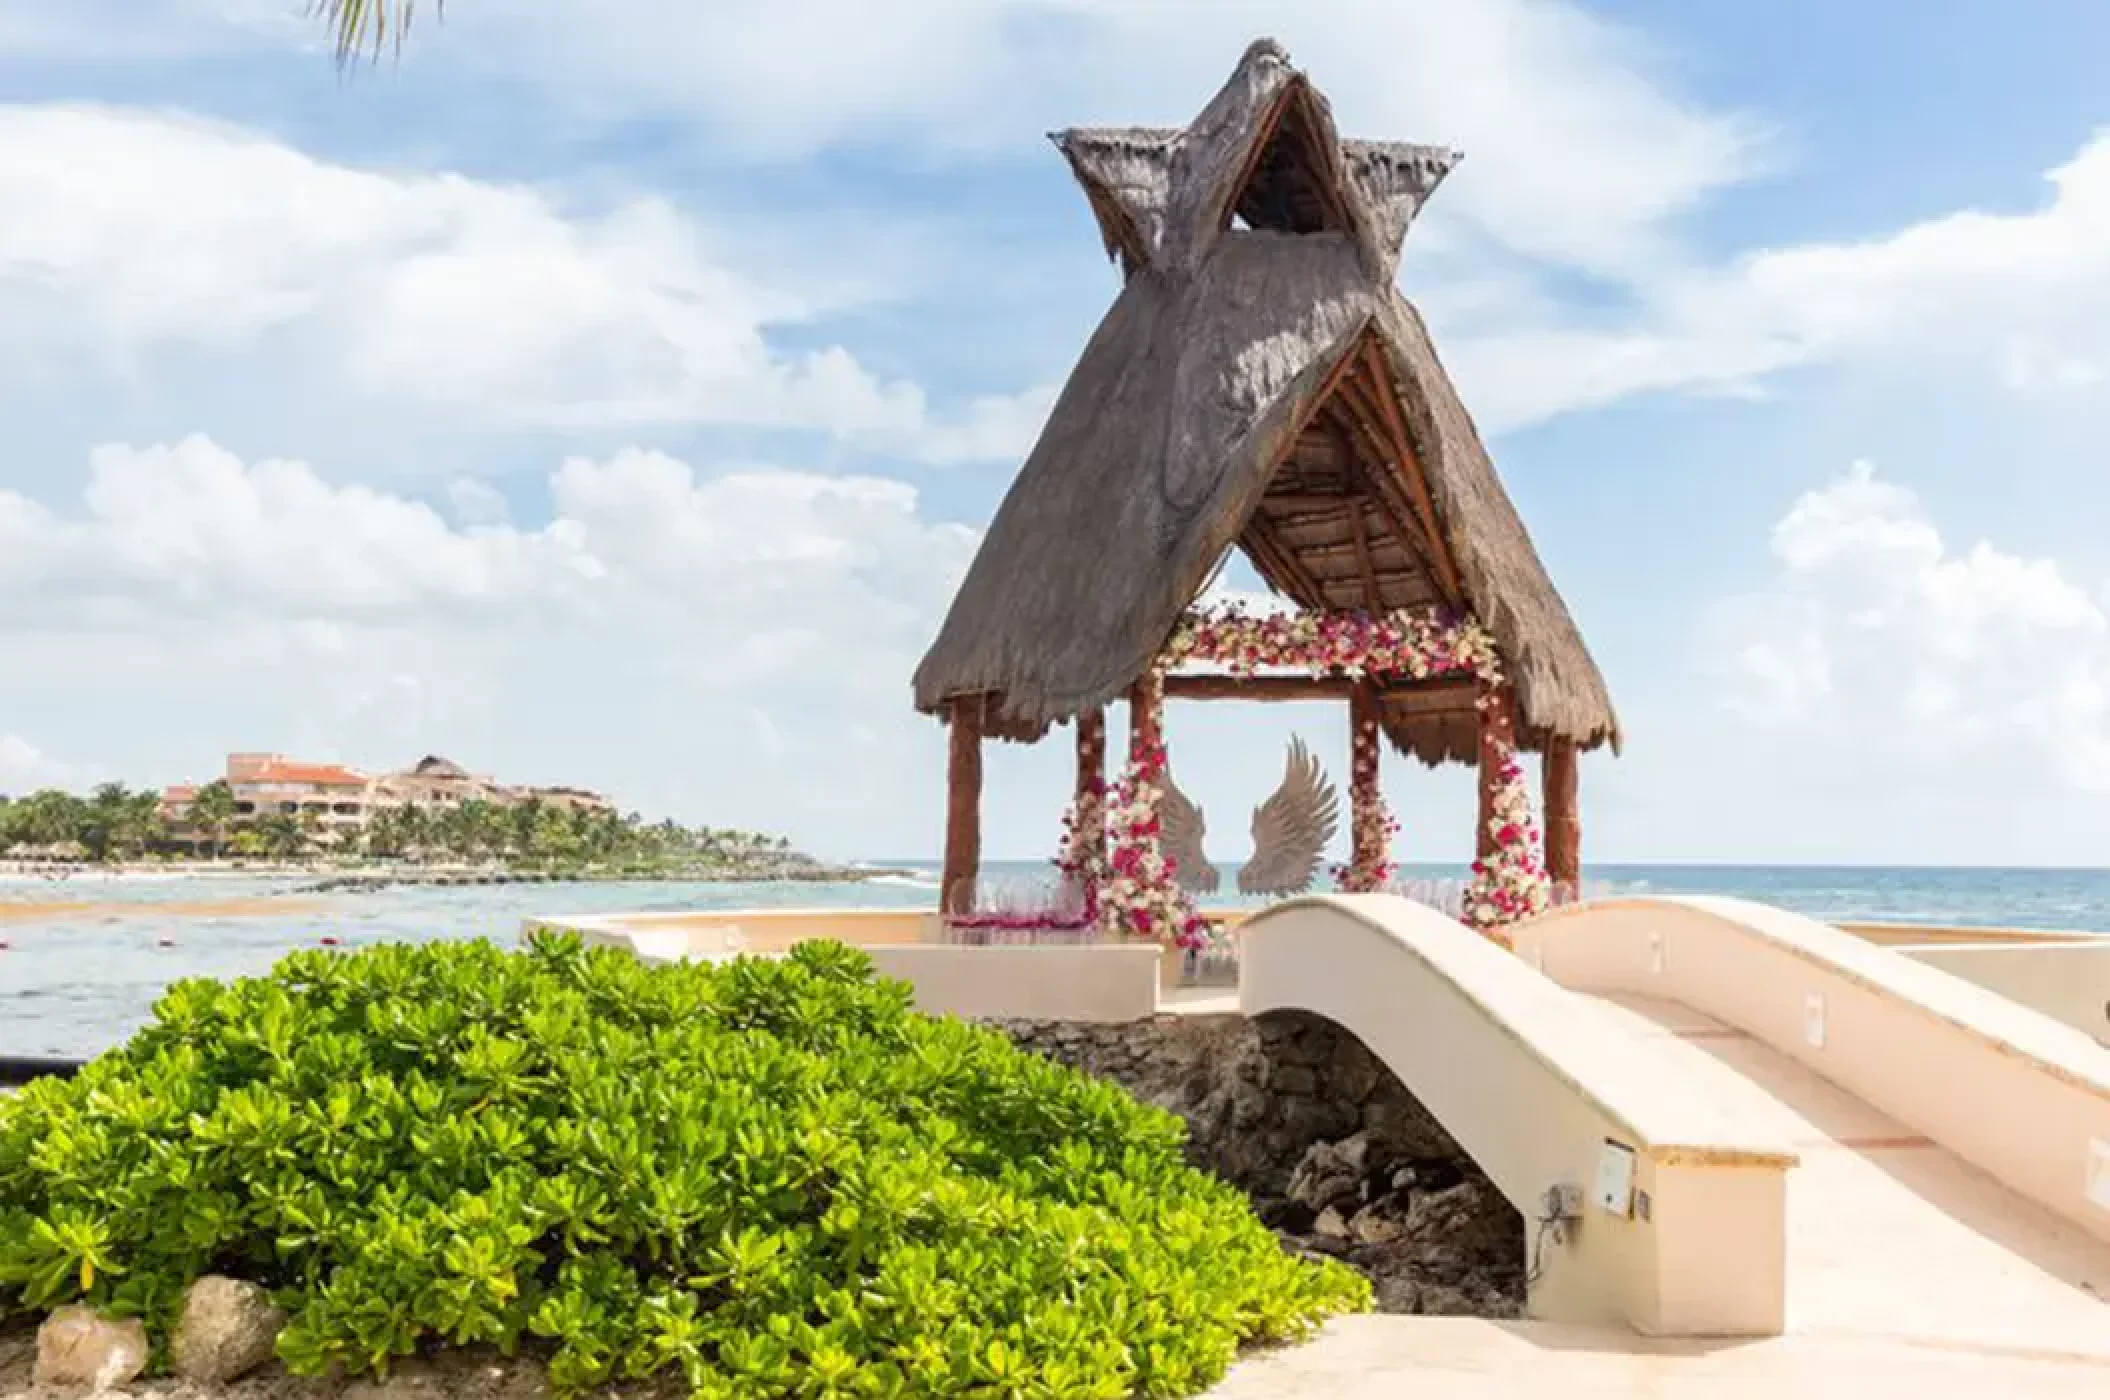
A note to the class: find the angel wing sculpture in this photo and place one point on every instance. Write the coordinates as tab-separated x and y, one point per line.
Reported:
1180	837
1291	828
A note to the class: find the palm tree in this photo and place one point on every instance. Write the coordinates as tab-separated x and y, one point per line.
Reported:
366	27
212	808
107	821
280	835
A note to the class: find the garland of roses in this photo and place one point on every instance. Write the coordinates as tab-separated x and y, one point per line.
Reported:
1138	894
1142	897
1369	866
1508	885
1511	883
1081	856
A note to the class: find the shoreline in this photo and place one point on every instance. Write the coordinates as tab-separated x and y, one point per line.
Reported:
360	877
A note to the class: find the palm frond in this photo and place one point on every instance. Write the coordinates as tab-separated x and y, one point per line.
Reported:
364	28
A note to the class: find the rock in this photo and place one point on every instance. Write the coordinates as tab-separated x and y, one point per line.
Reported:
1404	1126
1293	1079
228	1328
78	1346
1375	1227
1322	1177
1353	1073
1395	1293
1289	1217
1339	1157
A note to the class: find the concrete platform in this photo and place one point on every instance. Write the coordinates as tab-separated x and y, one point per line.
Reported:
1436	1358
1889	1235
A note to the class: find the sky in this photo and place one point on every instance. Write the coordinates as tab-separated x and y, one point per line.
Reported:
614	394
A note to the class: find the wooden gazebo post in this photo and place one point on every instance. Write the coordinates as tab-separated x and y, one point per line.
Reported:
1498	728
1560	784
963	807
1363	783
1143	732
1091	774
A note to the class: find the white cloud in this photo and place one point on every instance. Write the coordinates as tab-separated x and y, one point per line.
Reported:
2020	299
1885	647
1577	150
25	768
124	233
632	641
477	502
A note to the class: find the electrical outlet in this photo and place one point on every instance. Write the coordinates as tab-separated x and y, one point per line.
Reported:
1813	1019
1615	1178
1655	953
2099	1173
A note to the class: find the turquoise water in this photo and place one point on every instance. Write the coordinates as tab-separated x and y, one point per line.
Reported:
75	987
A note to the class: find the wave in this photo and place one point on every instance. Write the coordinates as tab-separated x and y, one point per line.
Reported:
904	882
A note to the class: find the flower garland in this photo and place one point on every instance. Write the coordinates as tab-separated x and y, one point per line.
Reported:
1404	643
1142	897
1137	891
1511	883
1081	856
1369	866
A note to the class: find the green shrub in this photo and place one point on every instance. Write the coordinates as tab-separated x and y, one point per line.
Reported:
773	1176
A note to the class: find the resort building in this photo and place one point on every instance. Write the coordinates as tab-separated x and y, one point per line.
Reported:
340	801
435	782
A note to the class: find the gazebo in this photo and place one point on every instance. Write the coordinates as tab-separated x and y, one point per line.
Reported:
1260	383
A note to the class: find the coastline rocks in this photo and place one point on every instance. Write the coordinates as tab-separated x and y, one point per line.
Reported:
228	1328
79	1347
1339	1158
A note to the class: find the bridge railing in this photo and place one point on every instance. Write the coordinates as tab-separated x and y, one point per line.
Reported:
1644	1202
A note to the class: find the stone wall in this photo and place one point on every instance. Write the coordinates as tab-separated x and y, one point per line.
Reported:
1338	1157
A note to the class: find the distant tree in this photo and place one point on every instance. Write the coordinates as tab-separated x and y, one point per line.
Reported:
280	836
212	809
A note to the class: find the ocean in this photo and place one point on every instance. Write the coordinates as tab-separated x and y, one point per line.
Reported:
74	983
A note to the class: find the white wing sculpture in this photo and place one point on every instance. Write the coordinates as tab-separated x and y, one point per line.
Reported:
1181	839
1291	828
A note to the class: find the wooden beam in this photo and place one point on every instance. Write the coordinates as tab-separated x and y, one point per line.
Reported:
1417	480
1560	788
1263	688
1300	579
963	808
1371	596
1498	731
1349	408
1283	574
1250	166
1261	548
1312	502
1358	525
1335	211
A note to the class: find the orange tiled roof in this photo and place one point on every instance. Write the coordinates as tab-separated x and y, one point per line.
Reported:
178	794
318	774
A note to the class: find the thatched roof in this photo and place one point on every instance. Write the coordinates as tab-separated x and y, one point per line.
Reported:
1263	386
